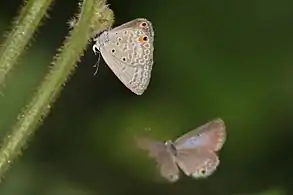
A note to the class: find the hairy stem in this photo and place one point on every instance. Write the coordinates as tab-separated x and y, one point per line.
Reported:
23	29
91	12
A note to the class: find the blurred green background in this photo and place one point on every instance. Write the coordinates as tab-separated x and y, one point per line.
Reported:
228	59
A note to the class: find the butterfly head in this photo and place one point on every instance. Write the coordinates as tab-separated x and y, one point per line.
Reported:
171	147
168	142
100	40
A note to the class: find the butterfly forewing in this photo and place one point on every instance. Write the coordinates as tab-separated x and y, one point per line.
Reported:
154	147
211	135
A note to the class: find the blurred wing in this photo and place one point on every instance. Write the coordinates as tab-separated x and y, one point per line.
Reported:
154	147
198	163
168	167
211	135
165	160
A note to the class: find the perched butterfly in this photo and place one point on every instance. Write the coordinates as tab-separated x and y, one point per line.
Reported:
195	153
128	51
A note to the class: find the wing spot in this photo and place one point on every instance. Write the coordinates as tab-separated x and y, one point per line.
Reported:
143	24
173	177
147	45
124	69
146	57
142	38
125	47
141	61
203	171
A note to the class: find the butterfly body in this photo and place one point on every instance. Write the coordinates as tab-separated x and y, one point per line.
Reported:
195	153
171	147
128	51
100	41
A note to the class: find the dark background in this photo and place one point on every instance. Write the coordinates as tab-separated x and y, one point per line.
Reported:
228	59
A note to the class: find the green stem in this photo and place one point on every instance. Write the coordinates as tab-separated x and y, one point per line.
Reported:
22	31
62	66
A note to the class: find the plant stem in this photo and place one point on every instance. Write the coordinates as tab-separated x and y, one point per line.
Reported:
62	66
22	31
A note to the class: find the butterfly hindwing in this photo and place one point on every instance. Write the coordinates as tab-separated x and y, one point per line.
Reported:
198	163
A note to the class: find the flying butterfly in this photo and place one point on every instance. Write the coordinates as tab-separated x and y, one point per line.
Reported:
195	153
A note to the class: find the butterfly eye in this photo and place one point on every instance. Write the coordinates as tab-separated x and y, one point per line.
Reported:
95	48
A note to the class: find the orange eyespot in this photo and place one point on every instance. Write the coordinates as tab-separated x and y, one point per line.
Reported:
142	39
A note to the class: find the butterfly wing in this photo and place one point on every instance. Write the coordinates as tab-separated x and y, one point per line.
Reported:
134	78
211	135
198	163
129	53
164	158
138	22
168	168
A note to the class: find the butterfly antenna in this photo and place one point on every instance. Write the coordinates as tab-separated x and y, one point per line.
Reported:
97	64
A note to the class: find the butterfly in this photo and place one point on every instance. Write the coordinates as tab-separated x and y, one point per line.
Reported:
195	153
128	51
